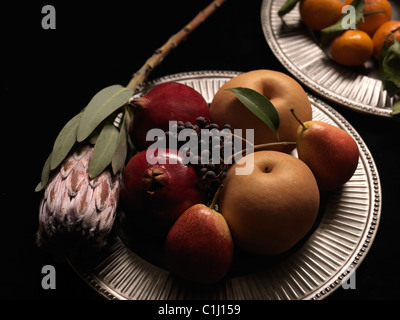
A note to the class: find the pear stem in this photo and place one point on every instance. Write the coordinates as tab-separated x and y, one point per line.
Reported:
264	146
298	120
243	139
216	196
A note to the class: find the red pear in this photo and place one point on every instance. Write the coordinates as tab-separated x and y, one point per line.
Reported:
199	246
330	152
165	102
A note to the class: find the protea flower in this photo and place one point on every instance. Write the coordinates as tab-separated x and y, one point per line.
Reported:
77	207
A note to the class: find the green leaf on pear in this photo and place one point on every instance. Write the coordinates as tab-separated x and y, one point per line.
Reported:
102	105
259	105
104	149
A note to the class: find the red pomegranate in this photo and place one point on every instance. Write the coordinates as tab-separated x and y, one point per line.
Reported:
165	102
157	187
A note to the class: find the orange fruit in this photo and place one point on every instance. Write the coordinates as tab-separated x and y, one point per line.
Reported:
380	35
374	21
319	14
351	48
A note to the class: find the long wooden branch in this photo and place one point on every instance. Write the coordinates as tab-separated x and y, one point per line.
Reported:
141	75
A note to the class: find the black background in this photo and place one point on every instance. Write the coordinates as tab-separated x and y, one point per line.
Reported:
50	75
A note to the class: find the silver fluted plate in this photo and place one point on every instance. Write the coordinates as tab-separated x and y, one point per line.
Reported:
131	266
296	47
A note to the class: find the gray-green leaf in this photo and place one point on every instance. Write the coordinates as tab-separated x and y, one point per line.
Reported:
64	141
102	105
118	160
45	175
104	149
259	105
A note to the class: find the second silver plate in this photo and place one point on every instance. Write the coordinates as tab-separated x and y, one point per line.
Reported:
359	89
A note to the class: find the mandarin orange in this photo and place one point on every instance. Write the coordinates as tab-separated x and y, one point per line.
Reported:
380	35
319	14
351	48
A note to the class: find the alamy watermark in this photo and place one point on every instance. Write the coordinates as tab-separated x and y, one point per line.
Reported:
49	280
49	18
195	151
349	280
349	20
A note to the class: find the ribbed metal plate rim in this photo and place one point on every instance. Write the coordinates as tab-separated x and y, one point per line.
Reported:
294	46
336	247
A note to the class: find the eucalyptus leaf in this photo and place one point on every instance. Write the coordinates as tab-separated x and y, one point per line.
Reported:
94	135
102	105
64	141
131	147
119	158
259	105
104	149
39	187
45	175
328	33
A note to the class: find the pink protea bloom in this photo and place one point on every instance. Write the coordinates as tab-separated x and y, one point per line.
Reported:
77	207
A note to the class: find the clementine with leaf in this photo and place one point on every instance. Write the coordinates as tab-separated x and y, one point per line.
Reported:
380	35
376	13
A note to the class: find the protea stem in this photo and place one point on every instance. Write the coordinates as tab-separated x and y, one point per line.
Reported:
141	75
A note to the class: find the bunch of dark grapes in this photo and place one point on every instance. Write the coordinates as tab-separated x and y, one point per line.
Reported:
211	171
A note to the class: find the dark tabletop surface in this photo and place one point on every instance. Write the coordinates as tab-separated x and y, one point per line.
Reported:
50	75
